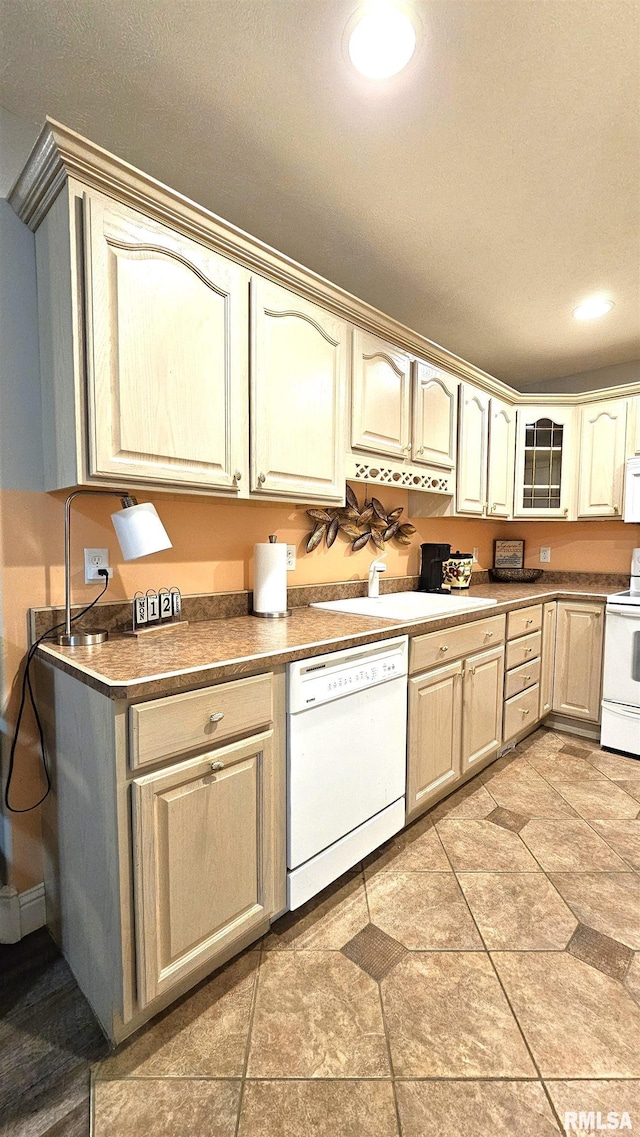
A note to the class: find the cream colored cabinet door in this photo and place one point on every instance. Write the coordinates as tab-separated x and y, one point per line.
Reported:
298	388
602	458
578	664
546	472
204	839
482	706
549	615
435	416
435	733
473	436
502	445
380	397
633	433
167	352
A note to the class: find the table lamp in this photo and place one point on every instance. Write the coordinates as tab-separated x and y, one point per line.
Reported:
140	532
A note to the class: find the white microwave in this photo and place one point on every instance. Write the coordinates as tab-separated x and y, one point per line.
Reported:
632	491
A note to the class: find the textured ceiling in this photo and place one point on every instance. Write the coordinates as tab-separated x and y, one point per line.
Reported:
478	197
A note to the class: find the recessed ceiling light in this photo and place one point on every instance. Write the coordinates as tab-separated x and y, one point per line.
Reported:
592	308
382	42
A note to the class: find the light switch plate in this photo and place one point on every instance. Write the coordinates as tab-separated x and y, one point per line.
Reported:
291	557
475	553
545	554
95	559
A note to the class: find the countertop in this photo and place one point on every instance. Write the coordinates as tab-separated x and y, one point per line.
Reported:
126	667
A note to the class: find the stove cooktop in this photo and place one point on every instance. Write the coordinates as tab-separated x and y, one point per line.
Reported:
623	599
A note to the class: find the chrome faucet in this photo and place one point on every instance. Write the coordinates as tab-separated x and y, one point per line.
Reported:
375	568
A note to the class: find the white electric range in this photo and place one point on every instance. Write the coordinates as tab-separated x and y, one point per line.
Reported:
621	687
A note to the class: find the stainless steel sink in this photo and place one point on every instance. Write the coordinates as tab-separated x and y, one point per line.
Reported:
407	605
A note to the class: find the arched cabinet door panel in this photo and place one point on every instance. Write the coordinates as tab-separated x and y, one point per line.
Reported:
473	436
167	351
602	458
435	416
298	386
502	440
380	397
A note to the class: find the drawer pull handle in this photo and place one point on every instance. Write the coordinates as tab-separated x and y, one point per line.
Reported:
528	650
217	716
529	620
488	635
526	678
444	648
215	766
523	711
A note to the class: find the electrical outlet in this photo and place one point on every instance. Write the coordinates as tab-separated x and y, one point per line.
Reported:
545	554
95	559
475	553
291	557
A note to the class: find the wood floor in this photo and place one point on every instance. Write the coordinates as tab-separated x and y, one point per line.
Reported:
49	1040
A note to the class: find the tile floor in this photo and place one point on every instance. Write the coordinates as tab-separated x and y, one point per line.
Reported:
479	975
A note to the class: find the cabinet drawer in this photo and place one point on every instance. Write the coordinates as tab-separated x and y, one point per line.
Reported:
523	621
520	678
452	643
166	728
523	650
520	711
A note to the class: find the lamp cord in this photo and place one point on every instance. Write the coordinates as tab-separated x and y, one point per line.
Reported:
27	688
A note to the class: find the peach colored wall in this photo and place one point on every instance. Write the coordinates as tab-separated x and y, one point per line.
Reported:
213	544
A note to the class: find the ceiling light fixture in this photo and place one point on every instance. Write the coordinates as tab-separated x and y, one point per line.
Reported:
382	41
592	308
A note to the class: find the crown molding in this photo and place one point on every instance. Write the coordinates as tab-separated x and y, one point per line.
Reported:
60	154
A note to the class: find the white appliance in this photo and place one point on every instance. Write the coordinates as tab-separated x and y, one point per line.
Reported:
346	760
621	688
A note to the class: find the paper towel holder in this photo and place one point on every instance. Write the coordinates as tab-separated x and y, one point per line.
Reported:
272	615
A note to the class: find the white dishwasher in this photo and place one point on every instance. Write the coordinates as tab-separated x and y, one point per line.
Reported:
346	760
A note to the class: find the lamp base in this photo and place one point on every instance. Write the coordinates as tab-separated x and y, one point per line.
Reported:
81	639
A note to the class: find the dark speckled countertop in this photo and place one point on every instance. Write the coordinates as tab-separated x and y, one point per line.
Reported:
207	651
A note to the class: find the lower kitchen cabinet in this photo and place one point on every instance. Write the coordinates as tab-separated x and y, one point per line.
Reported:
435	735
578	660
482	706
455	718
203	859
548	656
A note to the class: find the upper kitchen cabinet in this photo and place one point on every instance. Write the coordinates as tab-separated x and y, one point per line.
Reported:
544	478
473	437
435	416
633	431
380	397
143	351
602	458
502	439
298	388
166	322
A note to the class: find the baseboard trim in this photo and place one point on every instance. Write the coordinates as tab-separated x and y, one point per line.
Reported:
589	730
21	912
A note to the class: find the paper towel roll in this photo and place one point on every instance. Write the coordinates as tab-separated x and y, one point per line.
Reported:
270	580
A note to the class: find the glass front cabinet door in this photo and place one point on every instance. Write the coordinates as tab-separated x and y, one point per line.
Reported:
544	454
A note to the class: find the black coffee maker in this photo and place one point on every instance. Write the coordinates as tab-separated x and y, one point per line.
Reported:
432	558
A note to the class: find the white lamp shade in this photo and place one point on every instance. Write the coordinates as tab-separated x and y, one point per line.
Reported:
140	531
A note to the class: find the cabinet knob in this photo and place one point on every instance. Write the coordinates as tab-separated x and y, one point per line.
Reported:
408	448
597	614
529	619
262	478
528	650
488	635
421	450
523	711
216	717
494	507
237	475
215	766
444	648
566	511
526	678
616	509
472	670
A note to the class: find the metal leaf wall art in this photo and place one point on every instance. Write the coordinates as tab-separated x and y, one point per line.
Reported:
372	524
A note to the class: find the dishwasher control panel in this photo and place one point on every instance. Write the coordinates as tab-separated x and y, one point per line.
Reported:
327	677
